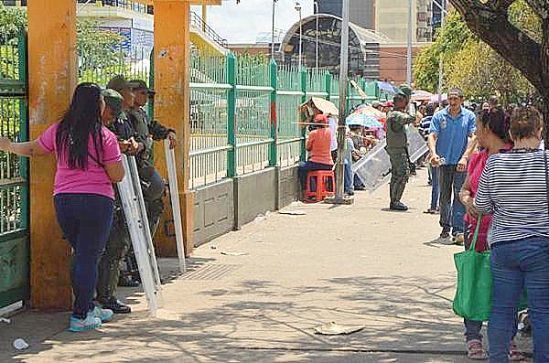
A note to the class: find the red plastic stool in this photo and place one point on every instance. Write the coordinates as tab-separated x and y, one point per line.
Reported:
320	184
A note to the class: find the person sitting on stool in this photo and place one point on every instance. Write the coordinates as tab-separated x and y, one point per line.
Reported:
318	146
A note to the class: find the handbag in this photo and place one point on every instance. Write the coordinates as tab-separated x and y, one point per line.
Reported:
473	299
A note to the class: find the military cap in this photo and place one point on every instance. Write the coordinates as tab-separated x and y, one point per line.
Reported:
138	84
405	90
118	83
113	100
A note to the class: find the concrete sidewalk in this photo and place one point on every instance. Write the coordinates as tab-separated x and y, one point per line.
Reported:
354	265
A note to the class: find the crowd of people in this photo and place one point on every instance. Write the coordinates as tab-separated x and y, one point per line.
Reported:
487	169
88	142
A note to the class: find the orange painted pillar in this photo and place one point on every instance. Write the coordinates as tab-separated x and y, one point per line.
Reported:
52	78
171	107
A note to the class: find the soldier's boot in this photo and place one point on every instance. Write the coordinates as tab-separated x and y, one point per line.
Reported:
398	206
108	274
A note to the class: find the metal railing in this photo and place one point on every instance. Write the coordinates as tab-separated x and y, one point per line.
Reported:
199	23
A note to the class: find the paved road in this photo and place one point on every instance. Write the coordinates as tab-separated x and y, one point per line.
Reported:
353	265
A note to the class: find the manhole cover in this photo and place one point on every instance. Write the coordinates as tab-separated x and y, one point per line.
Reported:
210	272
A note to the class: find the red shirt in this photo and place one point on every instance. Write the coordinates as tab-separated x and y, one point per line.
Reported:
319	146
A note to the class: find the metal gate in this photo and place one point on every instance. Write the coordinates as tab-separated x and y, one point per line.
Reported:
14	194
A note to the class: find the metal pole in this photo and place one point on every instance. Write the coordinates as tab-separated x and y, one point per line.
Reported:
300	38
316	11
343	75
409	51
440	60
273	30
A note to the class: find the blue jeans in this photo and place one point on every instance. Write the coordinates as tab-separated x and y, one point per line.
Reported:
451	213
435	186
86	221
473	328
515	266
348	177
306	167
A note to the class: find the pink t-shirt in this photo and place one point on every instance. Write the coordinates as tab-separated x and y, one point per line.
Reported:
476	165
93	180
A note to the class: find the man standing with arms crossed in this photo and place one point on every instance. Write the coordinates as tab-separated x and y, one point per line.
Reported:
451	141
397	146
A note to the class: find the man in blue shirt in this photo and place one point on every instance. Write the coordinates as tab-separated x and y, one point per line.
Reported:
451	141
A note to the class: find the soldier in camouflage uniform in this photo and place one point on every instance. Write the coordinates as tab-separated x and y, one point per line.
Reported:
148	131
118	99
397	146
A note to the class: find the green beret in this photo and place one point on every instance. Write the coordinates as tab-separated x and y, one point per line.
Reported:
405	90
118	83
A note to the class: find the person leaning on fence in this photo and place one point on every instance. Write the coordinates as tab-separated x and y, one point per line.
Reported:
318	146
148	131
88	162
493	138
119	99
514	187
397	146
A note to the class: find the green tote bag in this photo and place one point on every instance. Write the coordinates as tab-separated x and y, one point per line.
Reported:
473	298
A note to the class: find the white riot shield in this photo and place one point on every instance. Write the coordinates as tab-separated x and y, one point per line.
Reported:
136	219
374	169
176	207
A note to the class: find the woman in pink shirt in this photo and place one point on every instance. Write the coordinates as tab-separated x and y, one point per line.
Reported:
493	137
88	163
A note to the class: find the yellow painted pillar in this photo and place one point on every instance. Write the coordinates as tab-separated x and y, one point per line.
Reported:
52	78
171	83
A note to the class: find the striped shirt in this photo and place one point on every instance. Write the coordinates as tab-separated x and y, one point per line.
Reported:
513	188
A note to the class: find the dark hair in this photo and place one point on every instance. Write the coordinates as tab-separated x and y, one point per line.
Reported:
82	119
430	110
496	121
525	122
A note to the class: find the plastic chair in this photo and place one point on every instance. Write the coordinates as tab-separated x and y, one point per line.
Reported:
320	184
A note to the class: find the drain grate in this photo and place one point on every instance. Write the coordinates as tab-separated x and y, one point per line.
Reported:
210	272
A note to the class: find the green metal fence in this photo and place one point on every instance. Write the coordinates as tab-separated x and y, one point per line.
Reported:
14	244
245	114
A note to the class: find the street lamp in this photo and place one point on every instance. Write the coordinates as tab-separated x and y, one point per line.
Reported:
298	9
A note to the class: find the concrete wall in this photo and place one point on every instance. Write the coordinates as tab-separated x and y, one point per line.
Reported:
255	194
213	211
288	187
230	204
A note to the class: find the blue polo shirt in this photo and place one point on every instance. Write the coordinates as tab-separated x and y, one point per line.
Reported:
452	133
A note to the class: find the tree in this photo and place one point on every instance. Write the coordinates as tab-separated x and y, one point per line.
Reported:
493	21
447	44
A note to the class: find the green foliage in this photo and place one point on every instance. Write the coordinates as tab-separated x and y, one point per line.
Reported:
96	48
447	44
471	64
12	21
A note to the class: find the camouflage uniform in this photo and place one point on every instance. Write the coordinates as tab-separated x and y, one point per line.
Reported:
153	185
397	148
119	239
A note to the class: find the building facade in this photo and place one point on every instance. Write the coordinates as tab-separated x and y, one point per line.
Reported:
361	12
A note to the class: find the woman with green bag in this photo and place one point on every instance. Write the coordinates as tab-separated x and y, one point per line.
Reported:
514	188
493	137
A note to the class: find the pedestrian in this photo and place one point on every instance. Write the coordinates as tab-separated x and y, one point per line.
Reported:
318	146
493	137
451	141
88	162
332	125
433	172
514	188
117	96
397	146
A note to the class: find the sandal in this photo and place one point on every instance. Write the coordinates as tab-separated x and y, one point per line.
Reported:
430	211
515	355
475	351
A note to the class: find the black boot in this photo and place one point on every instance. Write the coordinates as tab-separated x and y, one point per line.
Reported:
117	306
398	206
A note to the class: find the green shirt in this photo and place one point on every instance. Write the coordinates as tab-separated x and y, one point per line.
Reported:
396	129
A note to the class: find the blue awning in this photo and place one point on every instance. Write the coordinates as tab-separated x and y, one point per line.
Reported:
387	87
